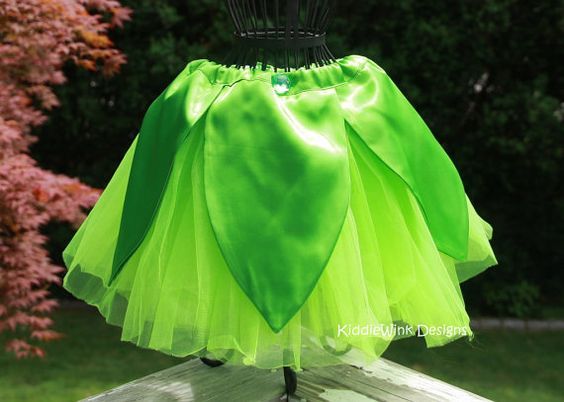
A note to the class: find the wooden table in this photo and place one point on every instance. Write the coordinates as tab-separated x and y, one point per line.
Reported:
194	381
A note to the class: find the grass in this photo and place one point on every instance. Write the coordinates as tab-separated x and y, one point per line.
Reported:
499	365
503	366
90	359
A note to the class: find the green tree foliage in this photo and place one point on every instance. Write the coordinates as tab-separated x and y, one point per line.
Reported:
486	75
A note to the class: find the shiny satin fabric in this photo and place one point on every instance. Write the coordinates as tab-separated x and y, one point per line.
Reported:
377	110
165	125
276	172
277	188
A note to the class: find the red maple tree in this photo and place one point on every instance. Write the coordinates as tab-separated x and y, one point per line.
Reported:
37	37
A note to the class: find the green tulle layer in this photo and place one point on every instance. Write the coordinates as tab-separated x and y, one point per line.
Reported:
177	295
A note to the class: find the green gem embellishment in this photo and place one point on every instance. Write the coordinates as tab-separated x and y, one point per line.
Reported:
280	83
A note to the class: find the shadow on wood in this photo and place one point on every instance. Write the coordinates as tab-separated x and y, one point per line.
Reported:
195	381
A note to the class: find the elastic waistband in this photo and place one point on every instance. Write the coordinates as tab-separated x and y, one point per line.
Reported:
302	79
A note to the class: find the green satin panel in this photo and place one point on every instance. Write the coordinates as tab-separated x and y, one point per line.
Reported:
277	188
392	128
165	126
276	173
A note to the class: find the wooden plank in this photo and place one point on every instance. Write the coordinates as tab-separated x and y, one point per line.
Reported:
194	381
388	381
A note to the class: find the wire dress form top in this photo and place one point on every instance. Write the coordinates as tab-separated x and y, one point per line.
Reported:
286	34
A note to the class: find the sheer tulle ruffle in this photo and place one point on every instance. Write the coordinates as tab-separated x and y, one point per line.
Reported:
177	295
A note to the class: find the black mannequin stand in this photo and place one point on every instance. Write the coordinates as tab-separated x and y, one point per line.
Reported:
287	34
212	362
290	376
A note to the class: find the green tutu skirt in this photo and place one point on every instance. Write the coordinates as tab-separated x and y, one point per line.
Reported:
300	218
